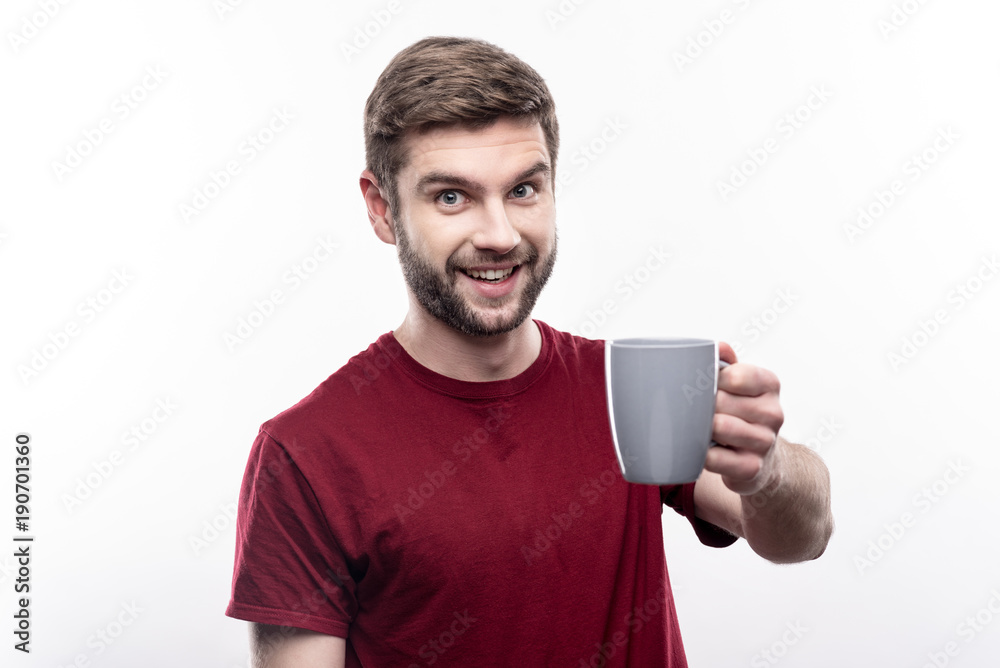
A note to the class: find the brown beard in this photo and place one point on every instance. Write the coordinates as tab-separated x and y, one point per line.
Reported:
437	292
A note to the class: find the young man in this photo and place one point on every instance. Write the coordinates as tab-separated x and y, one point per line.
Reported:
451	496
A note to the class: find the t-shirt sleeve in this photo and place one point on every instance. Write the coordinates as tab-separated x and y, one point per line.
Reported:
289	570
681	499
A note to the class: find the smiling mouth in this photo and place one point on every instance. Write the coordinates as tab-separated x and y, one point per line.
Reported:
490	275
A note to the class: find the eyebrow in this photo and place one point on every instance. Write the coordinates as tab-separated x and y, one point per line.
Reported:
439	177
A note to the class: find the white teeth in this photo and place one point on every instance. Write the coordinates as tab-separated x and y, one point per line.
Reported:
490	274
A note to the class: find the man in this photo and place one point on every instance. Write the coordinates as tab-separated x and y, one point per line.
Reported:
451	495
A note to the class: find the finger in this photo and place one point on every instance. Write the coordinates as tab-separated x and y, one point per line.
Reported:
733	464
735	433
748	380
726	353
764	409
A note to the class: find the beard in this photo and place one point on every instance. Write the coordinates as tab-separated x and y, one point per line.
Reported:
438	292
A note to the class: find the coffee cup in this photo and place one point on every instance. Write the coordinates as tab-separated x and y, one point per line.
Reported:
661	402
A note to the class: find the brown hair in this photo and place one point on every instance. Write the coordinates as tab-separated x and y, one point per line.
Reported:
449	81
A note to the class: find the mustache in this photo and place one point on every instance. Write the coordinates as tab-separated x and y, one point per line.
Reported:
519	255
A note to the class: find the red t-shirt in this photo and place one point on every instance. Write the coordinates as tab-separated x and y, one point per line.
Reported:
436	521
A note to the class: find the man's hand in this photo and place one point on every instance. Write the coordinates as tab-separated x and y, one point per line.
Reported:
757	485
747	419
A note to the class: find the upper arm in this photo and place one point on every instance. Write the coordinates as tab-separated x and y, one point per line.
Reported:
717	504
287	647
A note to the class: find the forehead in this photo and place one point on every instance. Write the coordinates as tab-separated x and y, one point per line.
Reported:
485	155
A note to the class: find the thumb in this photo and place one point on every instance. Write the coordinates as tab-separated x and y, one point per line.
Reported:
726	353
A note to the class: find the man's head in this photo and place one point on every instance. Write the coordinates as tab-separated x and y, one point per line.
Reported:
461	140
442	81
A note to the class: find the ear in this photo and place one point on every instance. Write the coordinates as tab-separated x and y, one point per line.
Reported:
379	214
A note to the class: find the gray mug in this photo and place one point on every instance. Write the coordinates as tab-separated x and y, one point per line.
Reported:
661	401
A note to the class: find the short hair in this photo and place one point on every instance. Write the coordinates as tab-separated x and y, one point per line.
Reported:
441	81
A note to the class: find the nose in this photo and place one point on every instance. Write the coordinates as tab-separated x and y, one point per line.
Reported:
494	231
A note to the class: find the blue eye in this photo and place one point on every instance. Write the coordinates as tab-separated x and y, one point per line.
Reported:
522	191
450	197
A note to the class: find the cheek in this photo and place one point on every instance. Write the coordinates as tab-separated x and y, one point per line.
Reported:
436	242
538	225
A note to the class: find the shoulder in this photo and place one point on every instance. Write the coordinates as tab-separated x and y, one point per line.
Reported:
580	358
340	394
568	345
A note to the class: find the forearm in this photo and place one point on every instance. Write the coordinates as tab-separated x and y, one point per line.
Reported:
789	519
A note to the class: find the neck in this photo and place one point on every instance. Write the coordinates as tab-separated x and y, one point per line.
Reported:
451	353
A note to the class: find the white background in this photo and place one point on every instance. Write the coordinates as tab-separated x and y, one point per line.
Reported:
673	131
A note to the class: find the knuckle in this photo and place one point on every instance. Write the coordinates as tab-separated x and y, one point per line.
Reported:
776	417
